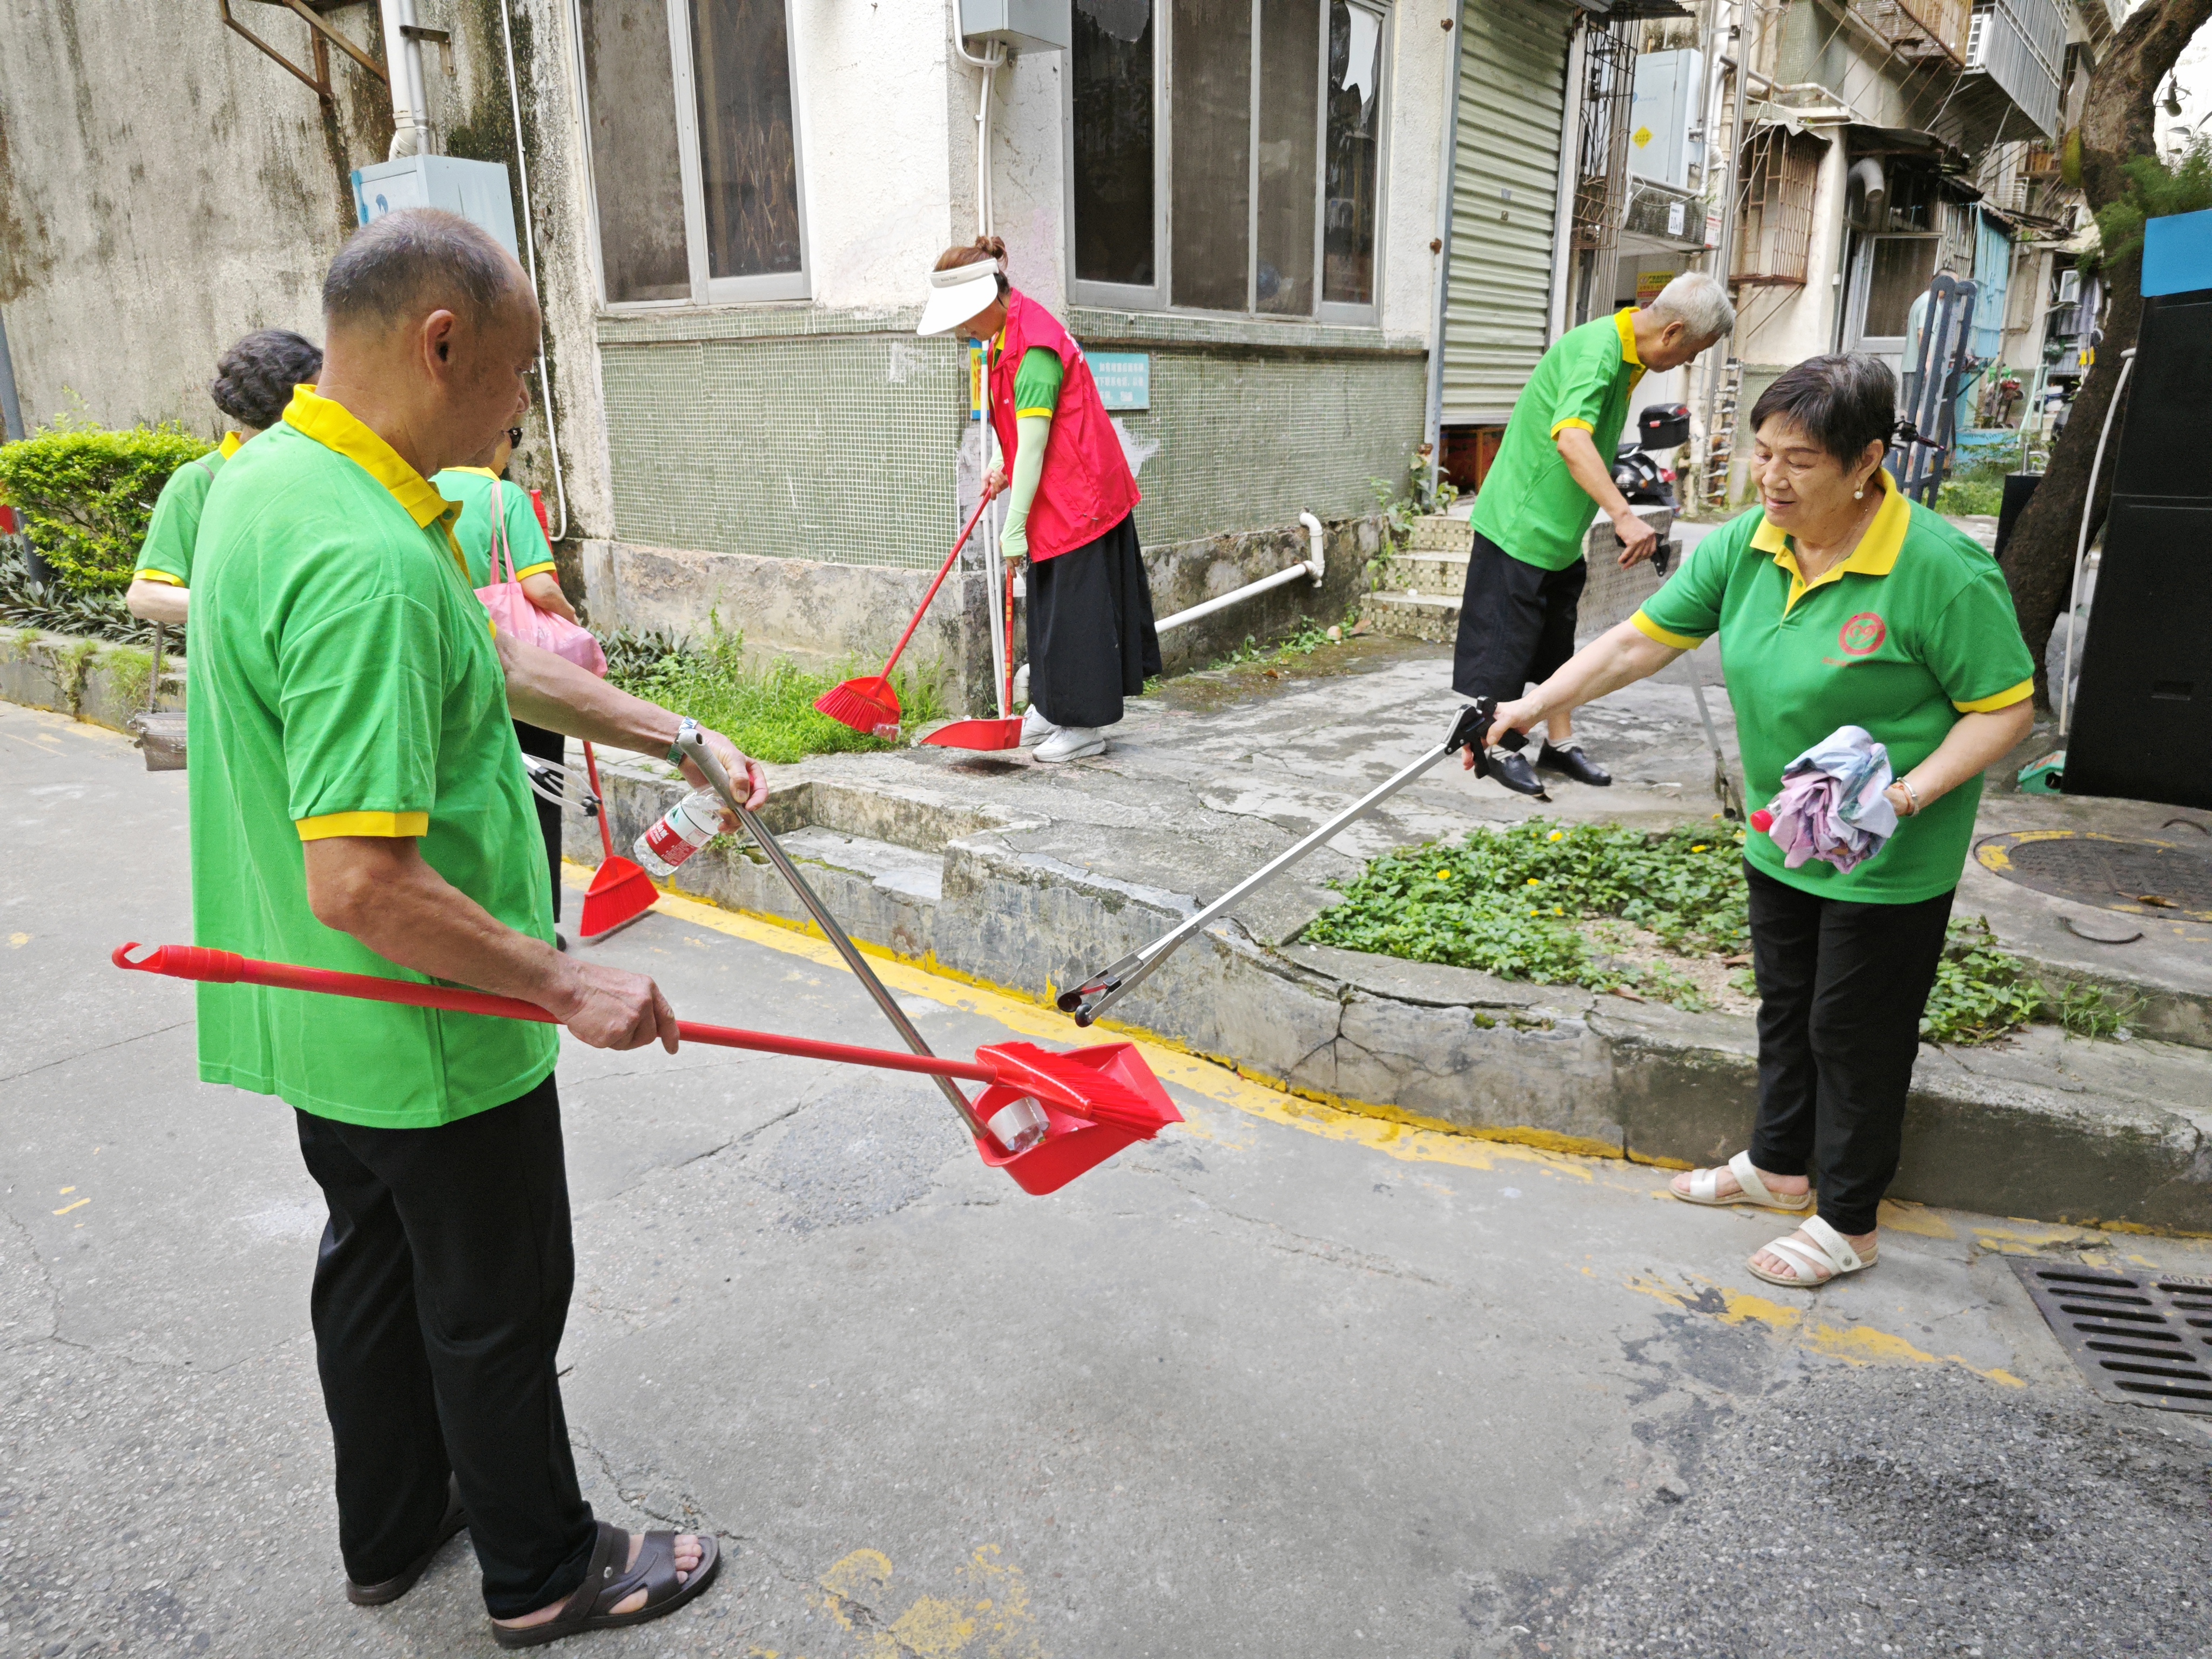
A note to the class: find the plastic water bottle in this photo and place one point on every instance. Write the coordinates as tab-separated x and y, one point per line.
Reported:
1018	1124
679	833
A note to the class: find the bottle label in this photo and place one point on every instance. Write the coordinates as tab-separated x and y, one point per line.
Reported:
669	843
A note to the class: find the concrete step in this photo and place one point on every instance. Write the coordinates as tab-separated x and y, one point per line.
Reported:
1428	572
2113	1133
1413	615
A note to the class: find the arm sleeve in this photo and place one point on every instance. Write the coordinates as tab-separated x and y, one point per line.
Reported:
359	693
1974	649
167	552
1687	610
1031	434
1037	382
1586	384
525	536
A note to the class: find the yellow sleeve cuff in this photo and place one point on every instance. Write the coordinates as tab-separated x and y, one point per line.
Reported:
160	576
1652	631
1558	426
2001	700
530	570
1032	414
364	823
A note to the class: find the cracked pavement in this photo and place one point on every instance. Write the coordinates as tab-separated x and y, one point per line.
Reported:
1284	1383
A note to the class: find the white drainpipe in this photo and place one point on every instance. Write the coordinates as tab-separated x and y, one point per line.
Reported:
1313	569
403	62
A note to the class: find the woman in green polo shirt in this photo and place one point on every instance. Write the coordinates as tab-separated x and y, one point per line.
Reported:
1838	603
253	381
487	501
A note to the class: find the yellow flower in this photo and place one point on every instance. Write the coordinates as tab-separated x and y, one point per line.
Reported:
1443	875
1700	847
1556	834
1535	881
1556	911
1532	910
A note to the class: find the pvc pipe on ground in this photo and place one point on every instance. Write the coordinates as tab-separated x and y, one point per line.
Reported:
1313	569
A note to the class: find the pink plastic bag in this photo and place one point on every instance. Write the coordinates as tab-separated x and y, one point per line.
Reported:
511	612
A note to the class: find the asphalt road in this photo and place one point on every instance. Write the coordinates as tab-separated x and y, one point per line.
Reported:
1285	1382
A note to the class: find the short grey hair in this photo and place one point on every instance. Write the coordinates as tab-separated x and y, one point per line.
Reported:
417	258
1697	302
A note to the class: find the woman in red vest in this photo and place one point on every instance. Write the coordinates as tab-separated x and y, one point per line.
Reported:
1069	500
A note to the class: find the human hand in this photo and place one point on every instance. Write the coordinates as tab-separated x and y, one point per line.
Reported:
1523	714
1639	540
610	1007
1014	543
994	482
747	779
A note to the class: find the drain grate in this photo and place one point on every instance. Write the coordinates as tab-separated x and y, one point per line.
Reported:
2143	877
2145	1339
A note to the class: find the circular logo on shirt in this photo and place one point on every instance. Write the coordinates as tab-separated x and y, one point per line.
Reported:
1862	634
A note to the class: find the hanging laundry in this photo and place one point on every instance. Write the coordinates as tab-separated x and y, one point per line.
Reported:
1831	806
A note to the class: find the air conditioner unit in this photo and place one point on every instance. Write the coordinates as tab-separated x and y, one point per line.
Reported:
1978	39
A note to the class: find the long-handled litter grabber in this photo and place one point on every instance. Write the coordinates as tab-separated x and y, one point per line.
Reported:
1102	990
1043	1146
1004	732
1097	1099
620	892
869	704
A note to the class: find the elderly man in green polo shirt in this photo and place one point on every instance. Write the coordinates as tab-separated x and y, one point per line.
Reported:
1553	476
358	802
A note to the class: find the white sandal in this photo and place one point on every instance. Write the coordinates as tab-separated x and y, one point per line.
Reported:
1829	1256
1705	1185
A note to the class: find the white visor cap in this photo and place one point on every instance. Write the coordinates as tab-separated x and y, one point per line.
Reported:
957	294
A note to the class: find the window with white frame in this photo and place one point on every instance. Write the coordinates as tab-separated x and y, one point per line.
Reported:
694	149
1227	155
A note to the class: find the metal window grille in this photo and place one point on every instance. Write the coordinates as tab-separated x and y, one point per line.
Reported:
1601	176
1775	231
1920	29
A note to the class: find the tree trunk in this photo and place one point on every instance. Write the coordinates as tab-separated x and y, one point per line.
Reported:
2118	120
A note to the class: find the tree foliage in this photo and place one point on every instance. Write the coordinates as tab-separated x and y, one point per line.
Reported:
86	494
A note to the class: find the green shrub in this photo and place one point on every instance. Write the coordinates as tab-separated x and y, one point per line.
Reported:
86	494
1964	496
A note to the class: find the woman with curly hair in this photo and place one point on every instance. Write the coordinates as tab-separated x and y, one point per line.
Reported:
254	382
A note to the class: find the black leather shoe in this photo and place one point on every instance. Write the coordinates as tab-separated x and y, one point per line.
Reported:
1575	764
1514	771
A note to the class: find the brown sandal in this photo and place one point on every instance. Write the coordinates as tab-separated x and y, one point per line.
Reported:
607	1585
375	1595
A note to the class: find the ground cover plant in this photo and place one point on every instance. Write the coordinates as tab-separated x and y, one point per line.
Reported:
767	708
26	602
1307	638
1655	916
1977	487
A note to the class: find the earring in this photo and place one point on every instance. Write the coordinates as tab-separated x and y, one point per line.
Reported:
1859	495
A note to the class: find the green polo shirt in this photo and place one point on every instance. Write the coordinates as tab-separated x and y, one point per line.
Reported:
343	682
473	487
1913	629
166	555
1529	504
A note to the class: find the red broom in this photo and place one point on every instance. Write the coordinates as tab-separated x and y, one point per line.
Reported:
1098	1100
868	704
620	892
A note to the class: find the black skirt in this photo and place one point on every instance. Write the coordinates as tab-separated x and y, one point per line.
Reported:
1091	634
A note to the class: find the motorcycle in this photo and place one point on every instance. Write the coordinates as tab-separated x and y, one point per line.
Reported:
1641	478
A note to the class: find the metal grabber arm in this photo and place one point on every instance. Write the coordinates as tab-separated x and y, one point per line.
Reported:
1102	990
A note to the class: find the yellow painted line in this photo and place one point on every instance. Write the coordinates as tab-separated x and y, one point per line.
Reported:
1384	1129
79	1205
1855	1345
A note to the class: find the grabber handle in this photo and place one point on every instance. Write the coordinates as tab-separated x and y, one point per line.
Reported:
606	835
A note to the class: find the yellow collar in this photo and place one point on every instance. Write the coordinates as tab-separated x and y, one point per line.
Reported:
231	444
1875	556
334	426
1625	320
477	471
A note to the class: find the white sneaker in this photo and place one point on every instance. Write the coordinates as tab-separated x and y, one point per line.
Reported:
1035	728
1072	743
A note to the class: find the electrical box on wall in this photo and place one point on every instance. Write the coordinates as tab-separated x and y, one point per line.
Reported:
1023	25
477	190
1660	118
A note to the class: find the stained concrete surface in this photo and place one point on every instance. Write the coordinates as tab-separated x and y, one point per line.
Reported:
1284	1382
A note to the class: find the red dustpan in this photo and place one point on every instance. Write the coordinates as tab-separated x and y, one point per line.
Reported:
1092	1102
620	892
868	704
1004	733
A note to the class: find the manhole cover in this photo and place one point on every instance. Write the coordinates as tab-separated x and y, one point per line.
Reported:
2143	1338
2143	877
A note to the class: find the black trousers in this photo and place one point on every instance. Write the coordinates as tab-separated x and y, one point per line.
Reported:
1841	988
1091	634
546	745
1516	624
440	1291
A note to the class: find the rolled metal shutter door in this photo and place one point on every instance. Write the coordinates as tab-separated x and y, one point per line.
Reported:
1506	188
